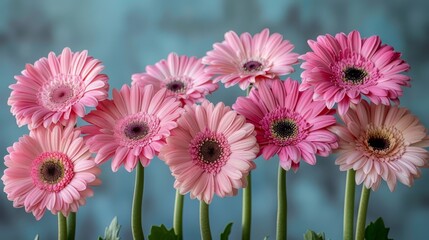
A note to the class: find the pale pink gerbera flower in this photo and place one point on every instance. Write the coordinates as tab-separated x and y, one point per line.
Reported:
382	142
210	152
245	60
343	68
132	127
184	77
57	89
289	123
51	169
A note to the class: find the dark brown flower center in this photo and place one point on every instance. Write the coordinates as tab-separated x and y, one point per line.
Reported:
379	143
136	130
252	66
176	86
210	151
284	129
51	171
354	75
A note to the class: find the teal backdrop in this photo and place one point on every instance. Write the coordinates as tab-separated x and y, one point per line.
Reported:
128	35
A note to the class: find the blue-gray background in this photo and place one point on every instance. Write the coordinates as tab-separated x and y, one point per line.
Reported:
128	35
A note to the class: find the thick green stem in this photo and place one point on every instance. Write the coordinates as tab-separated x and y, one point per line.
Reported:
71	226
247	210
178	215
204	221
136	215
62	227
281	205
361	218
349	205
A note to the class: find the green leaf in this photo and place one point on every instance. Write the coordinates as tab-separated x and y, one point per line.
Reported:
226	232
161	232
311	235
112	232
36	237
377	231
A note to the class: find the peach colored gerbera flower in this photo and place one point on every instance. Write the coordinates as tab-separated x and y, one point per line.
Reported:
57	89
50	169
248	60
182	76
132	127
382	142
210	152
288	122
344	67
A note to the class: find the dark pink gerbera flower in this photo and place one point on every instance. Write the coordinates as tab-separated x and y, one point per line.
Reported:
343	68
288	122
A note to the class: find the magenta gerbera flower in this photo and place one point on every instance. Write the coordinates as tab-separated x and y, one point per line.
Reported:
245	60
211	151
184	77
382	142
288	122
57	89
132	127
343	68
50	169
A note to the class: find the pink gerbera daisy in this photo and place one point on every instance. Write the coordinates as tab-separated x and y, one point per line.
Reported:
132	127
342	68
211	151
50	169
182	76
245	60
382	142
288	122
57	89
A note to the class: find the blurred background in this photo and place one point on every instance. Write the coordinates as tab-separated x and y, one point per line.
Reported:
128	35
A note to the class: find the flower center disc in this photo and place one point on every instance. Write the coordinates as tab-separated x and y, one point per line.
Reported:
354	75
52	171
176	86
136	130
379	143
284	129
252	66
210	151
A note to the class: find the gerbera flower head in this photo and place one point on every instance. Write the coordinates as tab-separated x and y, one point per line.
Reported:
184	77
132	126
249	60
50	169
288	122
382	142
344	68
57	89
211	151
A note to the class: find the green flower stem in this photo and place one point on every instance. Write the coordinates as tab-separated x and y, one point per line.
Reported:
246	219
349	205
71	226
204	221
136	215
361	218
247	209
281	205
178	215
62	227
